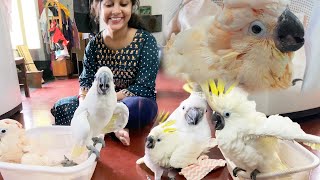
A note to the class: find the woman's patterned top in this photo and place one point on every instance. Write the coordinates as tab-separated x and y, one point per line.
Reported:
134	67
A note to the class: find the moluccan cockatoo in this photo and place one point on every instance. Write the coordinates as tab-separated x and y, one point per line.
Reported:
98	114
249	42
247	137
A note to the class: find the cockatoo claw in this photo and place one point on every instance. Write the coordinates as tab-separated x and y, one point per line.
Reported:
94	150
98	140
254	173
236	170
172	174
67	162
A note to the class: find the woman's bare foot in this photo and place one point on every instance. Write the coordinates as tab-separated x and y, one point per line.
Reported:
123	136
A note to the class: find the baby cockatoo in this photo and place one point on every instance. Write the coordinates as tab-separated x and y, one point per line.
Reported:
161	142
12	141
99	113
247	137
181	139
249	42
17	147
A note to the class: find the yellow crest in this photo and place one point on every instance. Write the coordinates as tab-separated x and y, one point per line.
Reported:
168	123
217	88
164	123
169	130
162	117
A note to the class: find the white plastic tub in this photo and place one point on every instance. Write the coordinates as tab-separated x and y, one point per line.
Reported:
59	141
300	160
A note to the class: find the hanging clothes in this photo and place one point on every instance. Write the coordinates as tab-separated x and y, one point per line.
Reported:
44	29
44	25
56	35
76	36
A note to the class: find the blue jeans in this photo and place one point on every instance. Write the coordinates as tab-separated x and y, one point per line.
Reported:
142	111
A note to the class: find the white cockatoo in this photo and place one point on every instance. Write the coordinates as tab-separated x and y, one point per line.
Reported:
12	141
99	113
248	42
181	139
247	137
17	147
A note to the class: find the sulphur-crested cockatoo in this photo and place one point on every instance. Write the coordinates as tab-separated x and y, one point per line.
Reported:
247	137
181	139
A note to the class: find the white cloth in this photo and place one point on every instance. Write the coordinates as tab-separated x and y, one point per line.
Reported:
44	25
8	72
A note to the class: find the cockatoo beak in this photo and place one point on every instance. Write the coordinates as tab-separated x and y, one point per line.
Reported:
150	142
103	83
289	32
194	115
219	121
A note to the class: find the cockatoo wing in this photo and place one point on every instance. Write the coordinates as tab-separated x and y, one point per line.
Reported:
119	119
284	128
80	129
189	152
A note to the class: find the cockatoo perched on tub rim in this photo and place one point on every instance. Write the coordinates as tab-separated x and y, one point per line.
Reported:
249	42
99	113
247	137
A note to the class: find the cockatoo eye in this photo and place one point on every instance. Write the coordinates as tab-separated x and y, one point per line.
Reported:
226	114
183	107
3	131
158	140
257	28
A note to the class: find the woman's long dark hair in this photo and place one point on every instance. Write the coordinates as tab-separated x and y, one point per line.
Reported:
134	22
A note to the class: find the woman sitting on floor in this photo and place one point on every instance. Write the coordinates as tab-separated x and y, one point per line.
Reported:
131	53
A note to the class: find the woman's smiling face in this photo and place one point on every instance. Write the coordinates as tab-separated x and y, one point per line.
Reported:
116	13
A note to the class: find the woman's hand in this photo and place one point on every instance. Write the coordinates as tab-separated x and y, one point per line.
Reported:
120	96
81	98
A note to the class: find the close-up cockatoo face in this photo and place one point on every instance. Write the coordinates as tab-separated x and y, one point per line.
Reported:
104	80
229	107
160	136
228	104
284	33
264	36
155	138
247	42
